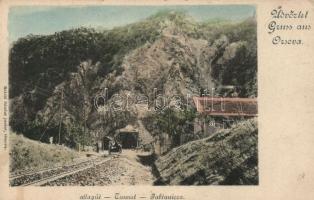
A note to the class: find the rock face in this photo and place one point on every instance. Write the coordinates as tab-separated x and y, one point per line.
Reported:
228	157
170	53
175	64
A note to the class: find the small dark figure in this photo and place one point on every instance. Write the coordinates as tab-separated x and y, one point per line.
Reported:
97	148
114	146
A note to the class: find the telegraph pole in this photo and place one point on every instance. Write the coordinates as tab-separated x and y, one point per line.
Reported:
61	110
84	113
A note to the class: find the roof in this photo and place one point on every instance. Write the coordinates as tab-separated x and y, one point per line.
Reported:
219	106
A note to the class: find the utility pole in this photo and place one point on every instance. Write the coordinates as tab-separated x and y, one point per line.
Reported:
84	113
61	110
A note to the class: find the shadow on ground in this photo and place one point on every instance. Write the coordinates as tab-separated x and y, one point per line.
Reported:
149	160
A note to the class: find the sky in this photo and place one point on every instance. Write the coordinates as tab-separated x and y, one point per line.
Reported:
43	20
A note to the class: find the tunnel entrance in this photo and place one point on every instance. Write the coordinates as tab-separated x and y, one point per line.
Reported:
128	137
129	140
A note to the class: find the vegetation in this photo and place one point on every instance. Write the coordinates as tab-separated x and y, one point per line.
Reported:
173	122
83	61
229	157
28	154
239	69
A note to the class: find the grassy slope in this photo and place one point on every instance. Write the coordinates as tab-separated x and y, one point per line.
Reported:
228	157
29	154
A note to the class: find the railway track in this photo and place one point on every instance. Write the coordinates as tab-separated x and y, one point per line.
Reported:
47	175
22	173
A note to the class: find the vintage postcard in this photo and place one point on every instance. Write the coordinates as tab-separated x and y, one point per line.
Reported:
156	100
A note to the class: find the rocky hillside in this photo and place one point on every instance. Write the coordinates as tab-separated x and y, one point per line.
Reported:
27	154
228	157
168	51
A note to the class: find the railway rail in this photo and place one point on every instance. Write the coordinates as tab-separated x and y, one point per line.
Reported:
41	177
17	174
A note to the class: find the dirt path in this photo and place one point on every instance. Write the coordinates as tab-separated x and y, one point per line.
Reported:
133	172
